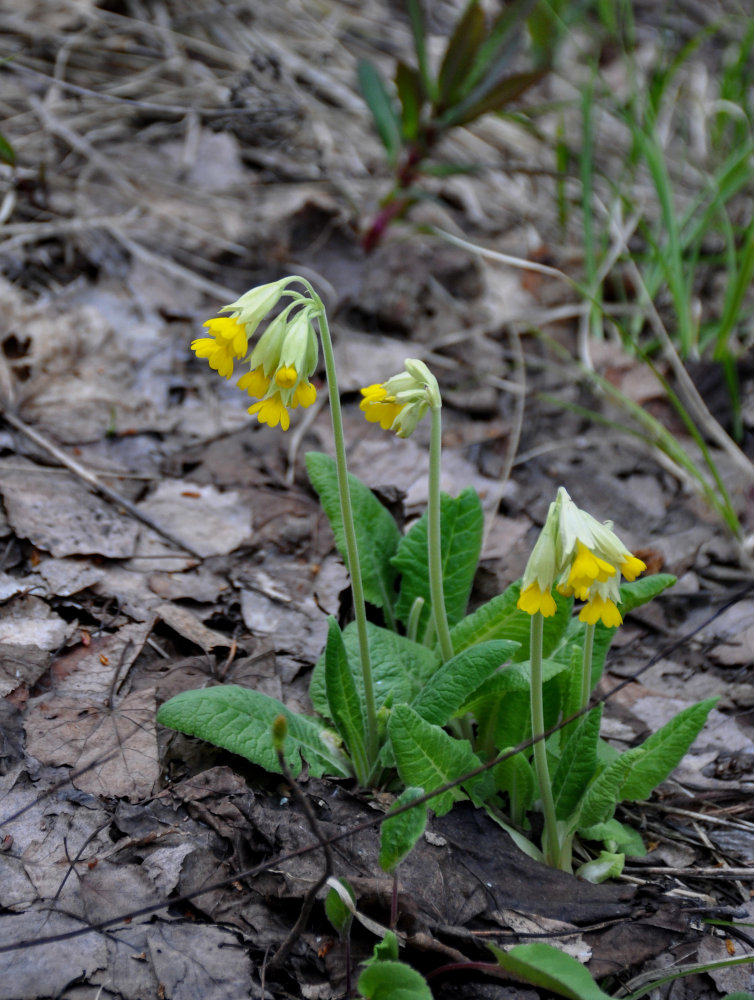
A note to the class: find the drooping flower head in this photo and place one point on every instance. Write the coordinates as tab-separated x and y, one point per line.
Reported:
401	402
284	357
584	558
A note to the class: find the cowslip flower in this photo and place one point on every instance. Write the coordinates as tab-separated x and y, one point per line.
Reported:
583	558
284	358
401	402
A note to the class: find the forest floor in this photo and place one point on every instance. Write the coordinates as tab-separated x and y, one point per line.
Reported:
170	156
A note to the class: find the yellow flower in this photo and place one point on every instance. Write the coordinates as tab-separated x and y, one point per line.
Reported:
600	608
584	558
227	343
533	600
378	407
254	382
271	411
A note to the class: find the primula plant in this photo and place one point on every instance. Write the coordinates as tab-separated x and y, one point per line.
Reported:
435	694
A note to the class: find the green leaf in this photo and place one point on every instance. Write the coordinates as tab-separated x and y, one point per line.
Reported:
337	912
633	595
7	152
461	524
383	111
664	750
393	981
419	33
515	776
600	799
377	534
577	764
385	950
484	98
399	834
501	619
344	700
448	688
240	720
460	54
426	757
408	83
400	667
616	836
545	966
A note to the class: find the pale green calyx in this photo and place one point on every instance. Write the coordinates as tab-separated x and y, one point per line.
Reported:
253	306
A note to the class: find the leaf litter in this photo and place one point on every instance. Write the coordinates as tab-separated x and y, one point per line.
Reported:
190	172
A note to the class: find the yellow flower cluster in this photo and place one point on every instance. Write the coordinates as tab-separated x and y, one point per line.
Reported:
401	402
584	558
283	360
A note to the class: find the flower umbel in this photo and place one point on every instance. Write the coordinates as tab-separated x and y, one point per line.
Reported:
401	402
284	357
584	558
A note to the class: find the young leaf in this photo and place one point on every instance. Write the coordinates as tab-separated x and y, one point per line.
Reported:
664	750
7	152
460	54
240	720
427	757
408	83
461	522
449	687
501	619
633	595
600	869
419	32
377	534
399	834
577	764
344	700
400	667
553	970
385	950
383	111
490	98
337	911
393	981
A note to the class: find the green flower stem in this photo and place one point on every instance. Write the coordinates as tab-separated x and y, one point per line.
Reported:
359	608
551	845
586	667
434	537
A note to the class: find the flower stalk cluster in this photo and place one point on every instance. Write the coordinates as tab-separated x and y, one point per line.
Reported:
284	357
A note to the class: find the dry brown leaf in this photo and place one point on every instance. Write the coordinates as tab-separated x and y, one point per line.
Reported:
113	749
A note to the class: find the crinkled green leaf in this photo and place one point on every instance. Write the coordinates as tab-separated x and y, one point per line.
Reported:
240	720
461	523
616	836
664	750
400	667
426	757
377	534
501	619
553	970
448	688
399	834
393	981
577	764
344	700
381	105
515	776
602	796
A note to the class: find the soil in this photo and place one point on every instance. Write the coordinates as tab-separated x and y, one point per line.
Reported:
154	538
